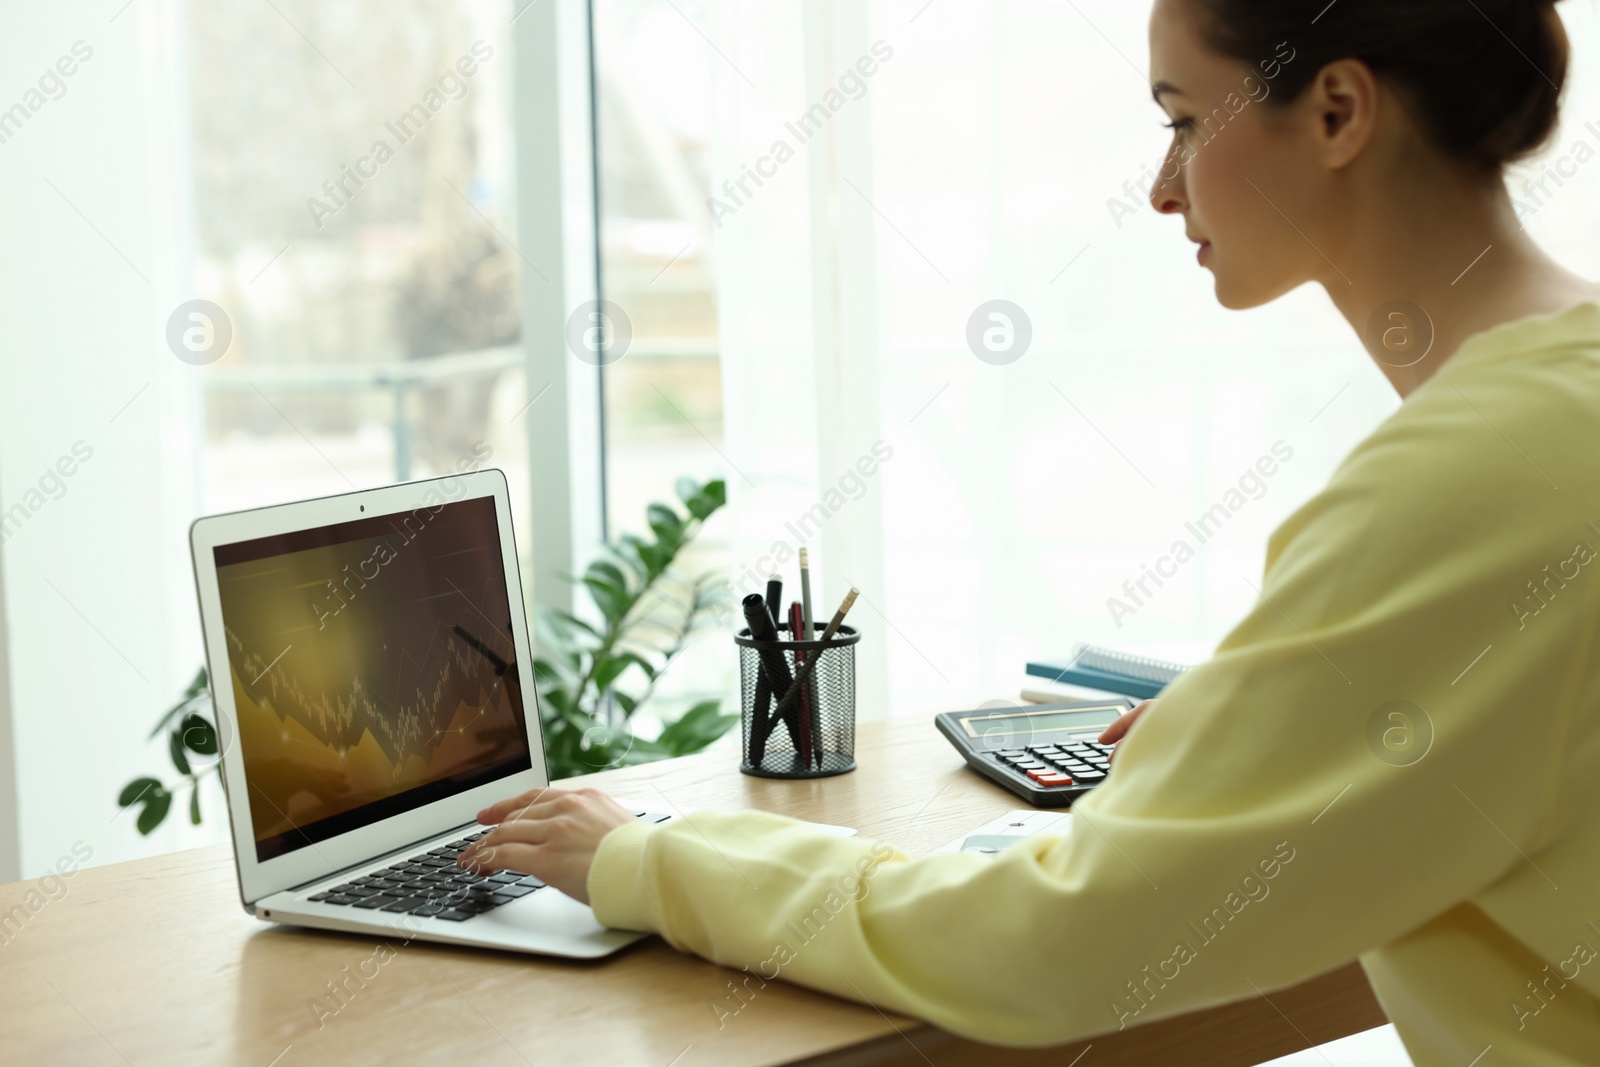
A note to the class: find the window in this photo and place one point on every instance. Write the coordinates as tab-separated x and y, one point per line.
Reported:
353	212
654	101
654	115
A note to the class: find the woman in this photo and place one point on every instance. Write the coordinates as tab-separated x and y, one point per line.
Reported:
1396	755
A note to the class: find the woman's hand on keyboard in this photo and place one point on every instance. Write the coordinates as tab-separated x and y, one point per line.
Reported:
551	834
1119	729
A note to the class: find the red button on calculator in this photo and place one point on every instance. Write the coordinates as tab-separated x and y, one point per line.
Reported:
1048	777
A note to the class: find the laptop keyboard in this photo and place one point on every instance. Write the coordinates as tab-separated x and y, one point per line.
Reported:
430	884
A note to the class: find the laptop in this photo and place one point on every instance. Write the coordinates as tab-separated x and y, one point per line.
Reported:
368	656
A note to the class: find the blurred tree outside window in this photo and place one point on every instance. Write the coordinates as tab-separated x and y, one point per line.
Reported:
353	206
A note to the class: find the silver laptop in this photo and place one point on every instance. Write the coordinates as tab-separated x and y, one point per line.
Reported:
368	656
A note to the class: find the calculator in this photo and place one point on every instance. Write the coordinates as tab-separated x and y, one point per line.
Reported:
1048	754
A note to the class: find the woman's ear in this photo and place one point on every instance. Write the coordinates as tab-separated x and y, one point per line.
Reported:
1343	99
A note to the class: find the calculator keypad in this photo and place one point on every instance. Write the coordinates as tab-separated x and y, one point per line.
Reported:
1078	764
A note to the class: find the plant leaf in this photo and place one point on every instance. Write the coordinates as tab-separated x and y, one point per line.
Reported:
135	791
700	507
642	663
655	559
697	728
666	523
713	496
609	668
156	803
559	701
611	599
662	592
601	568
551	673
175	747
687	489
578	719
627	550
199	735
187	704
642	751
568	619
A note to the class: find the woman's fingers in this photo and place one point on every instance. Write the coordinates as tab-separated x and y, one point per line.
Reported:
510	856
501	810
539	803
516	831
516	837
534	804
1119	729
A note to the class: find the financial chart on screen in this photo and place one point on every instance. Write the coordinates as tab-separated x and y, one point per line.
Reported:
373	668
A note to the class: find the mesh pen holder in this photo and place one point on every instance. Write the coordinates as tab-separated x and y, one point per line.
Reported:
773	747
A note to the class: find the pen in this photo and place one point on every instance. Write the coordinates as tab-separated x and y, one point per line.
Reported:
774	673
775	599
760	701
793	690
807	734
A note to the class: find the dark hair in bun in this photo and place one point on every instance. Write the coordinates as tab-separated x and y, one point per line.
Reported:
1482	78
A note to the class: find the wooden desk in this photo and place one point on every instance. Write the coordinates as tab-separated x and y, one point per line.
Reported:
154	962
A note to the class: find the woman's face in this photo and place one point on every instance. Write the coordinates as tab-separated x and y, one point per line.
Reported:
1238	170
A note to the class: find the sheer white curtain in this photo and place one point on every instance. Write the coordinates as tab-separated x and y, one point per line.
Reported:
799	318
996	151
98	430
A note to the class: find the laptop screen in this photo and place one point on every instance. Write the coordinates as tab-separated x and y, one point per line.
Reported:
373	668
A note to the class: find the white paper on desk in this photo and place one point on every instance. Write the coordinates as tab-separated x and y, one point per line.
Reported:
1023	822
836	831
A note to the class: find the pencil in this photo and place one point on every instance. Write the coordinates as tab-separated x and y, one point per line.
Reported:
793	691
805	595
813	708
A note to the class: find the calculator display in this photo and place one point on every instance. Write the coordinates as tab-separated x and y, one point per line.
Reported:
1002	724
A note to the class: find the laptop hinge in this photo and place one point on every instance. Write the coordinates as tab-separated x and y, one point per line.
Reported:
374	859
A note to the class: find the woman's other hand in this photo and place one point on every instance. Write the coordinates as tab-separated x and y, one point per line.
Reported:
1119	729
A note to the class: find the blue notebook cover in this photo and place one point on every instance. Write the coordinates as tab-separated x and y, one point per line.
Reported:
1070	672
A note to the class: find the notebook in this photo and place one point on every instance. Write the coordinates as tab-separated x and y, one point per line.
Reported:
1112	671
